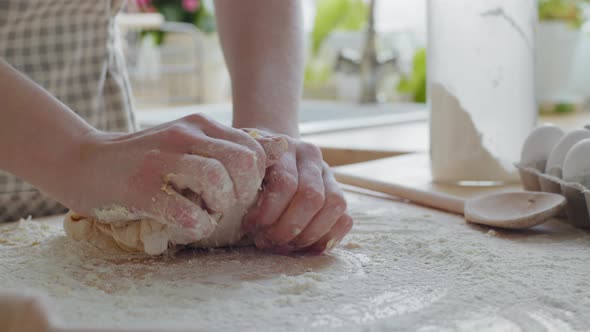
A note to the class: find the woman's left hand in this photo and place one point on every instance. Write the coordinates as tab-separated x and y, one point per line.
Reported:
301	207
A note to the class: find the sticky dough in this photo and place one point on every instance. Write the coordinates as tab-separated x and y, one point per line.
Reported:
154	238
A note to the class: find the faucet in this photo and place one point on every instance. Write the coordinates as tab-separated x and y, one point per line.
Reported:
369	64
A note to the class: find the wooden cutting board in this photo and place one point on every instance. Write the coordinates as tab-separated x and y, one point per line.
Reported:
413	171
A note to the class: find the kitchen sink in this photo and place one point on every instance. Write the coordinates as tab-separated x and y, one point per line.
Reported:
315	116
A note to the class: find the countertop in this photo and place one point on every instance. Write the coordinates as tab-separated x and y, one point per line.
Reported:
413	136
402	267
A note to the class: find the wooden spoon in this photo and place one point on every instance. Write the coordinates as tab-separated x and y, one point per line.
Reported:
513	210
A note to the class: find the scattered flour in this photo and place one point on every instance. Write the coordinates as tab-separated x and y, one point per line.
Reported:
398	271
114	213
24	233
352	245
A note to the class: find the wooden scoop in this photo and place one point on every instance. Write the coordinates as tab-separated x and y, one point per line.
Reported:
513	210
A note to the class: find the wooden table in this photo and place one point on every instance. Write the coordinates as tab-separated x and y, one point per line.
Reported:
402	267
358	145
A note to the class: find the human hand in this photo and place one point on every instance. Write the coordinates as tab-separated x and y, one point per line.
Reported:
185	173
301	207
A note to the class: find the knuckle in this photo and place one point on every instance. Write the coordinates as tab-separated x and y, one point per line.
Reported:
311	150
177	132
197	118
336	202
285	182
203	121
313	196
247	158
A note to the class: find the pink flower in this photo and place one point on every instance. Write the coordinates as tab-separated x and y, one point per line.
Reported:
144	6
190	5
143	3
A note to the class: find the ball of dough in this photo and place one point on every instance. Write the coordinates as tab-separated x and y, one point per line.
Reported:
152	237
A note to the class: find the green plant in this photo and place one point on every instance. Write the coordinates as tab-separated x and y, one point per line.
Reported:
414	84
558	108
331	15
569	11
317	72
197	12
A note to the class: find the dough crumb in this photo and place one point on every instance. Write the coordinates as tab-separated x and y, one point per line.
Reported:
331	244
254	133
491	232
166	186
352	245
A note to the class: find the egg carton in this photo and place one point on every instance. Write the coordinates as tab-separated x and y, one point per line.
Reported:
558	162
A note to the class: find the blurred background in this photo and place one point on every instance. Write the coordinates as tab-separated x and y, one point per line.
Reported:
175	59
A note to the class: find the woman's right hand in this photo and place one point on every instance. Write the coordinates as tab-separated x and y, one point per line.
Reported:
184	173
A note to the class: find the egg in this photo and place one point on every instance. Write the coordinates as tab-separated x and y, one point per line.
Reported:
557	156
576	166
538	146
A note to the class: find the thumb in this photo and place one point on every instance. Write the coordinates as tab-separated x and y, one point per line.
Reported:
274	146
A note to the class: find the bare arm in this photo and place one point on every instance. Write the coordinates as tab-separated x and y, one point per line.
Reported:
263	47
301	207
95	173
38	134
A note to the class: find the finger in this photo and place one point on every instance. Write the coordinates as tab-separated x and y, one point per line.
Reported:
172	208
216	130
274	146
308	200
153	199
334	207
204	181
333	237
190	136
278	188
240	163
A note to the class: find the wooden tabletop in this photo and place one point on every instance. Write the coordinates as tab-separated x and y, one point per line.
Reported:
429	264
358	145
413	171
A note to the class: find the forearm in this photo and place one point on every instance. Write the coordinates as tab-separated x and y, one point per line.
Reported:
263	47
38	134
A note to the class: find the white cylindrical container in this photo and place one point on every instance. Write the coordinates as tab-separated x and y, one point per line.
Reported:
481	88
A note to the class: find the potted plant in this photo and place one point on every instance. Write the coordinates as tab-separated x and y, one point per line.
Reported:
196	12
558	34
191	64
413	84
